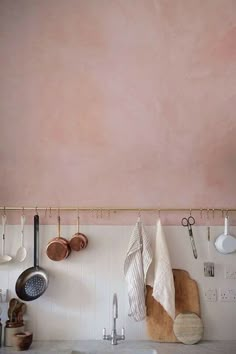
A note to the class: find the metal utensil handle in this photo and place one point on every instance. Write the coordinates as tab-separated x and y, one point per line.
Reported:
226	225
36	241
22	230
208	241
4	221
193	243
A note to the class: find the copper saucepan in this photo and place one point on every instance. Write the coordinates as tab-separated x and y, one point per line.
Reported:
58	248
78	240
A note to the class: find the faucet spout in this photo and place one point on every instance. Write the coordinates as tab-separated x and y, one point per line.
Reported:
115	307
114	337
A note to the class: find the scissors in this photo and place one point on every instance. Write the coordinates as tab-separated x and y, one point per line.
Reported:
188	222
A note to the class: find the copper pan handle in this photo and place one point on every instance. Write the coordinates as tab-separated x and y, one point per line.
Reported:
59	226
78	224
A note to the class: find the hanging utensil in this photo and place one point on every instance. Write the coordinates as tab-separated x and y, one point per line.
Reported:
12	305
21	252
4	258
226	243
78	240
188	222
20	313
33	282
58	248
209	268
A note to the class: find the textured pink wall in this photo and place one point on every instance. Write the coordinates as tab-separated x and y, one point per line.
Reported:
125	103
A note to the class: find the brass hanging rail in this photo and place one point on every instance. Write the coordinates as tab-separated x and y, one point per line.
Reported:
90	209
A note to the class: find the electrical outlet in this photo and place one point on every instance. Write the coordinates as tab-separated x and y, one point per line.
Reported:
227	295
230	273
210	294
3	295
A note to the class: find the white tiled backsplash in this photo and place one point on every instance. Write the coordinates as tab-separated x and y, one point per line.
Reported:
78	301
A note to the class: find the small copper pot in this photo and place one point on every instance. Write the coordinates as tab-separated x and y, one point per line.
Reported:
78	241
58	248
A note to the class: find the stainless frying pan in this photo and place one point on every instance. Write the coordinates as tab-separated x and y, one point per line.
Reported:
33	282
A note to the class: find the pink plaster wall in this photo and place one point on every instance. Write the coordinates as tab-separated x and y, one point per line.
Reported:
122	103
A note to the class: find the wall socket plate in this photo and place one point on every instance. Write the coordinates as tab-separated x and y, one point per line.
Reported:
230	273
210	294
227	295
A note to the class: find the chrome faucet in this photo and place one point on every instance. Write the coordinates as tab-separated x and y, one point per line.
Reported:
114	337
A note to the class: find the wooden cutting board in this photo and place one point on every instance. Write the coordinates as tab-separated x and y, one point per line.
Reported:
159	323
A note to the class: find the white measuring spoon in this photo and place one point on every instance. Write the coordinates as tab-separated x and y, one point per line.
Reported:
4	258
21	252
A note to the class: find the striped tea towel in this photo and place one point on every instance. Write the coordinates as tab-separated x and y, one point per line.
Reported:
162	279
137	262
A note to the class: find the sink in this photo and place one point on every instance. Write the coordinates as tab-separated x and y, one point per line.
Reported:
116	351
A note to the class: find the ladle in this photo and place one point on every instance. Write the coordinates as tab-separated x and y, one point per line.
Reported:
21	252
4	258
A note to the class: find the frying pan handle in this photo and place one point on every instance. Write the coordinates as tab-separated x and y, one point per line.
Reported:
36	240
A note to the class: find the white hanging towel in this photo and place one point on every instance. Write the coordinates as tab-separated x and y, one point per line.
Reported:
163	281
137	262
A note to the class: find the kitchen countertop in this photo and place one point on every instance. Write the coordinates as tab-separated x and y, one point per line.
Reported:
65	347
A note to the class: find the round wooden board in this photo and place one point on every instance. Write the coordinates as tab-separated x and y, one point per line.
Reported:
188	328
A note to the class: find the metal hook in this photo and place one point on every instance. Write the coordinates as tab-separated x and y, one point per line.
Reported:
139	213
101	213
4	211
58	212
213	213
23	211
190	212
50	212
109	213
208	213
222	212
36	210
159	213
227	212
201	213
46	212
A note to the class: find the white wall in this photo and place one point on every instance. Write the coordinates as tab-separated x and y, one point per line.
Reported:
78	302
